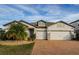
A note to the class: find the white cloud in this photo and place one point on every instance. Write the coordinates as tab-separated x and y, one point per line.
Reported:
36	18
8	13
28	9
52	10
71	17
53	13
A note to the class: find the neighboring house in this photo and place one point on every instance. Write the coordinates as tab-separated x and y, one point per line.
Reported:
49	30
75	24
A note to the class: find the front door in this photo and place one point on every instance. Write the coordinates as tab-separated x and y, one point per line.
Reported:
31	31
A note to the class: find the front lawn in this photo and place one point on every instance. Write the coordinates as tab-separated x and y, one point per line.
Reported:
24	49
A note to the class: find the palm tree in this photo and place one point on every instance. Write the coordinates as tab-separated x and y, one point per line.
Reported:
17	31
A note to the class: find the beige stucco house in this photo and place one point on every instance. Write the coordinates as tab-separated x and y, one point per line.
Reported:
48	30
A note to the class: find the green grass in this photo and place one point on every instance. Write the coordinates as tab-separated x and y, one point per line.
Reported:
25	49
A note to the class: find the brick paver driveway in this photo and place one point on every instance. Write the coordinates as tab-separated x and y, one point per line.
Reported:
54	47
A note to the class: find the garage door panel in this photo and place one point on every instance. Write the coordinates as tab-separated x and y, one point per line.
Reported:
41	35
59	36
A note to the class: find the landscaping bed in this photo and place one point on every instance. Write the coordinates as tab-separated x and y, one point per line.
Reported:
15	42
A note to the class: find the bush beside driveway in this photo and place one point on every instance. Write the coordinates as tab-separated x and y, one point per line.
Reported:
55	47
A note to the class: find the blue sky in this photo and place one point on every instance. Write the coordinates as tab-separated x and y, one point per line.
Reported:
35	12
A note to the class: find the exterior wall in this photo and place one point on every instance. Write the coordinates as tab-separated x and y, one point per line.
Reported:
40	33
28	33
57	27
76	25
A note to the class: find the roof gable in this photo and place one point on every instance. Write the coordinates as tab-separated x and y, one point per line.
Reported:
31	24
11	23
41	21
21	21
47	23
26	23
63	23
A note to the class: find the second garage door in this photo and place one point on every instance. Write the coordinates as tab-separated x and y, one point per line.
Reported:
59	36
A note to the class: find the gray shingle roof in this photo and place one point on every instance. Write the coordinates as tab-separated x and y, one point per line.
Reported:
35	23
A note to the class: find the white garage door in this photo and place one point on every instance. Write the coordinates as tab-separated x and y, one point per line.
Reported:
59	36
40	35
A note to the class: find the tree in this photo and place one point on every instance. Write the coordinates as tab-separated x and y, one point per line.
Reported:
77	34
17	31
2	33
